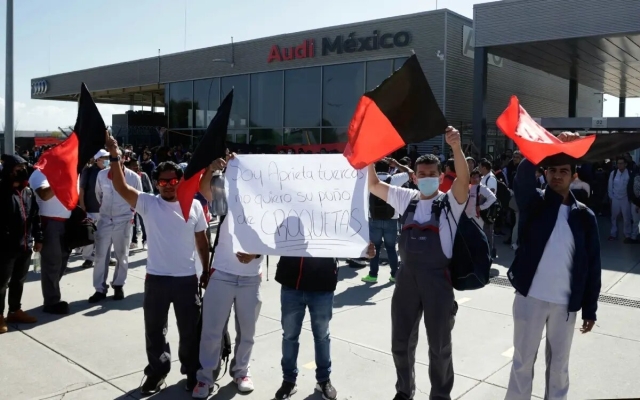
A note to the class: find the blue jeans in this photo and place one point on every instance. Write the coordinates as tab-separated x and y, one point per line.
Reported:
292	304
387	230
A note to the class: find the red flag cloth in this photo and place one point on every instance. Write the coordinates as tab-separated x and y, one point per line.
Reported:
535	142
212	146
402	110
62	164
59	165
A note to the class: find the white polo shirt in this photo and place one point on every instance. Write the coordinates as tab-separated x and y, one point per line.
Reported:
50	208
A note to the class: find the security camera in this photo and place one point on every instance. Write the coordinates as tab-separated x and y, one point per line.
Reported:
440	55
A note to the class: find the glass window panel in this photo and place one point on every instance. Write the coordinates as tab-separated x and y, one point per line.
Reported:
181	105
301	136
342	87
182	137
265	136
334	135
266	99
239	118
398	62
206	99
378	71
302	97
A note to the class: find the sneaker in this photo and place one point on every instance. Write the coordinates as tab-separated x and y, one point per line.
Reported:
201	391
151	385
133	246
392	279
244	384
370	279
118	293
327	390
287	390
3	325
400	396
112	262
97	297
630	241
191	383
356	263
87	264
60	308
21	317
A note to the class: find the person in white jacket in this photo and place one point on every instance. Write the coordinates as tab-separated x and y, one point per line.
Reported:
114	227
480	198
617	188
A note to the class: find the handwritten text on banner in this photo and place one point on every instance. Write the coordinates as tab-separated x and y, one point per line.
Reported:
312	205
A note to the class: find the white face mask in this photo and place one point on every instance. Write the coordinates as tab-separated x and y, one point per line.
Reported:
106	163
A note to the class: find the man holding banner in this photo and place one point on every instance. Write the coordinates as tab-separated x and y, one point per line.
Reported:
423	285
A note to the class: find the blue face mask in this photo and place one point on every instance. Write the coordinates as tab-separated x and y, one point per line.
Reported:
106	163
428	186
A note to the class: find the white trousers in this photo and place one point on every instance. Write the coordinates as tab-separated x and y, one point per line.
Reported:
530	317
87	251
635	216
119	234
621	206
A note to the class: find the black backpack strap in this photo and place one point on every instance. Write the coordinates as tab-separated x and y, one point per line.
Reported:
411	208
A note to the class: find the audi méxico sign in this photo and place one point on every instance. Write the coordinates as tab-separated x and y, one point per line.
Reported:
341	44
39	87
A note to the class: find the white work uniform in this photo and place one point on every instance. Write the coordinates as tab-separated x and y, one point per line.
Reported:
620	202
114	227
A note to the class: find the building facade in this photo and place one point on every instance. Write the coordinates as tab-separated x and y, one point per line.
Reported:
300	90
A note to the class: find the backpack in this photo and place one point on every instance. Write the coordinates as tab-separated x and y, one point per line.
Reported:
489	215
635	200
471	261
79	230
379	208
225	351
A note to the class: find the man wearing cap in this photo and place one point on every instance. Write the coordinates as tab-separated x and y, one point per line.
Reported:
19	227
114	227
88	200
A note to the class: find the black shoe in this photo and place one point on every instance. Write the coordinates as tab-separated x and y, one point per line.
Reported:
327	390
87	264
630	241
61	308
192	381
97	297
287	390
151	385
118	293
400	396
494	253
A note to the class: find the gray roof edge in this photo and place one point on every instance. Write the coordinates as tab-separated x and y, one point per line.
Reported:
282	35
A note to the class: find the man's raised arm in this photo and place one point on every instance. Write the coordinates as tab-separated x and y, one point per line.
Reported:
129	194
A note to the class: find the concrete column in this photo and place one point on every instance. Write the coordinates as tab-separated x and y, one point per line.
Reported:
479	99
622	107
573	97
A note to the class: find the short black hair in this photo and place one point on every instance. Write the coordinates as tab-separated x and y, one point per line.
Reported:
167	166
621	158
452	165
381	166
484	163
475	171
131	160
429	159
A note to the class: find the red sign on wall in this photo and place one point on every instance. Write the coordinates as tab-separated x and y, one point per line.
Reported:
305	50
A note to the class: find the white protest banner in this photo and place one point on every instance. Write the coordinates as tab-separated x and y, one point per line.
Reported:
311	205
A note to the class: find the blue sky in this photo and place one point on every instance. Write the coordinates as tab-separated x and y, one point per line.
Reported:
56	36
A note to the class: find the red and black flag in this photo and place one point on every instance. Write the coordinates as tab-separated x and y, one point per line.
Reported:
63	163
400	111
213	145
541	147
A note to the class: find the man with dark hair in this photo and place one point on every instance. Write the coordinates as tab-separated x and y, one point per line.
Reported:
20	227
147	165
422	285
556	272
617	187
171	270
449	175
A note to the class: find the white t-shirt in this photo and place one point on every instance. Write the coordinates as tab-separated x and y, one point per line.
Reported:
52	207
399	198
171	240
486	200
552	281
226	260
396	180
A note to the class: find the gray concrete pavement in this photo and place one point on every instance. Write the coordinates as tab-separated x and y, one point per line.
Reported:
97	352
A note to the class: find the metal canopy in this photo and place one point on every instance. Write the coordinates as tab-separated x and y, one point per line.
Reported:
610	65
595	42
136	96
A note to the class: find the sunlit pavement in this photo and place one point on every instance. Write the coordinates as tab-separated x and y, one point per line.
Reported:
97	352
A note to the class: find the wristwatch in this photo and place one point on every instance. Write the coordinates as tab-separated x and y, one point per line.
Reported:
114	159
